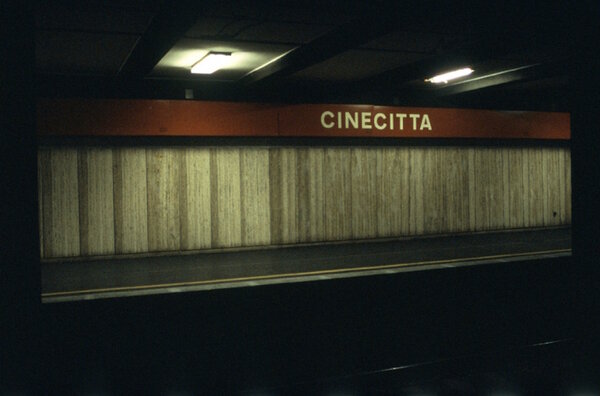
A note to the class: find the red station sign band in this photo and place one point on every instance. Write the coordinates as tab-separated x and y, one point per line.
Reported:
124	117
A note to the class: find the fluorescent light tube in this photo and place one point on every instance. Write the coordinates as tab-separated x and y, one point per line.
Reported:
444	78
212	62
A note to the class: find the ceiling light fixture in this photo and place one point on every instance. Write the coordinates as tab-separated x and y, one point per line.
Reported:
211	62
444	78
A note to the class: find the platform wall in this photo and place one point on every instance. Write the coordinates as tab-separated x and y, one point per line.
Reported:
105	201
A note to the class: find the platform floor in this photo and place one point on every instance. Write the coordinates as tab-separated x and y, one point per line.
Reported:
69	280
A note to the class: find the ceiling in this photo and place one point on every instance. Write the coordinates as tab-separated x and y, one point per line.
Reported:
306	51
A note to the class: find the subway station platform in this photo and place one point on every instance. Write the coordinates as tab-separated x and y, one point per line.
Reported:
70	280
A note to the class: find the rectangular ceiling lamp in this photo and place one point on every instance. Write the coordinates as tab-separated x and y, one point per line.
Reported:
444	78
212	62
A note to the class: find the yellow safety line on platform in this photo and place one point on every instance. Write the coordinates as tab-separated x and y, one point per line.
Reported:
298	274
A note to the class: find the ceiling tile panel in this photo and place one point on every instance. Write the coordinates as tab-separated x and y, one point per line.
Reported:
142	5
81	53
330	12
408	41
255	30
209	27
106	19
356	65
283	32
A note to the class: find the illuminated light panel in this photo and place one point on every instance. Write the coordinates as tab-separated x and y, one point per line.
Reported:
444	78
212	62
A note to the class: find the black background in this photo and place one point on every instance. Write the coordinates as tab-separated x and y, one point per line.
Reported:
523	327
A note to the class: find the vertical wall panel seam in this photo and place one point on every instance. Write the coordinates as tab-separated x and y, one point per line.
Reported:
471	191
562	186
506	189
82	187
566	189
569	176
525	197
115	169
323	206
47	202
272	199
373	192
183	209
114	220
525	185
545	154
177	162
40	202
409	190
349	178
243	220
475	189
354	233
444	215
78	204
147	199
377	192
214	204
301	229
78	195
491	167
239	186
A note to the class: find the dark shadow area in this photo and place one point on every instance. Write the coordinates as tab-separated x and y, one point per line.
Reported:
455	324
523	328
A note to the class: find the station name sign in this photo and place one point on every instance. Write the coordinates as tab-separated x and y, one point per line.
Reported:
381	121
124	117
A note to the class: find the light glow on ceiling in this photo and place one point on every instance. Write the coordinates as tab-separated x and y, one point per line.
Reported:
245	57
212	62
271	61
444	78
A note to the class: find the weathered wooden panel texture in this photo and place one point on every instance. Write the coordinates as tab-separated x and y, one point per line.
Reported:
103	201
